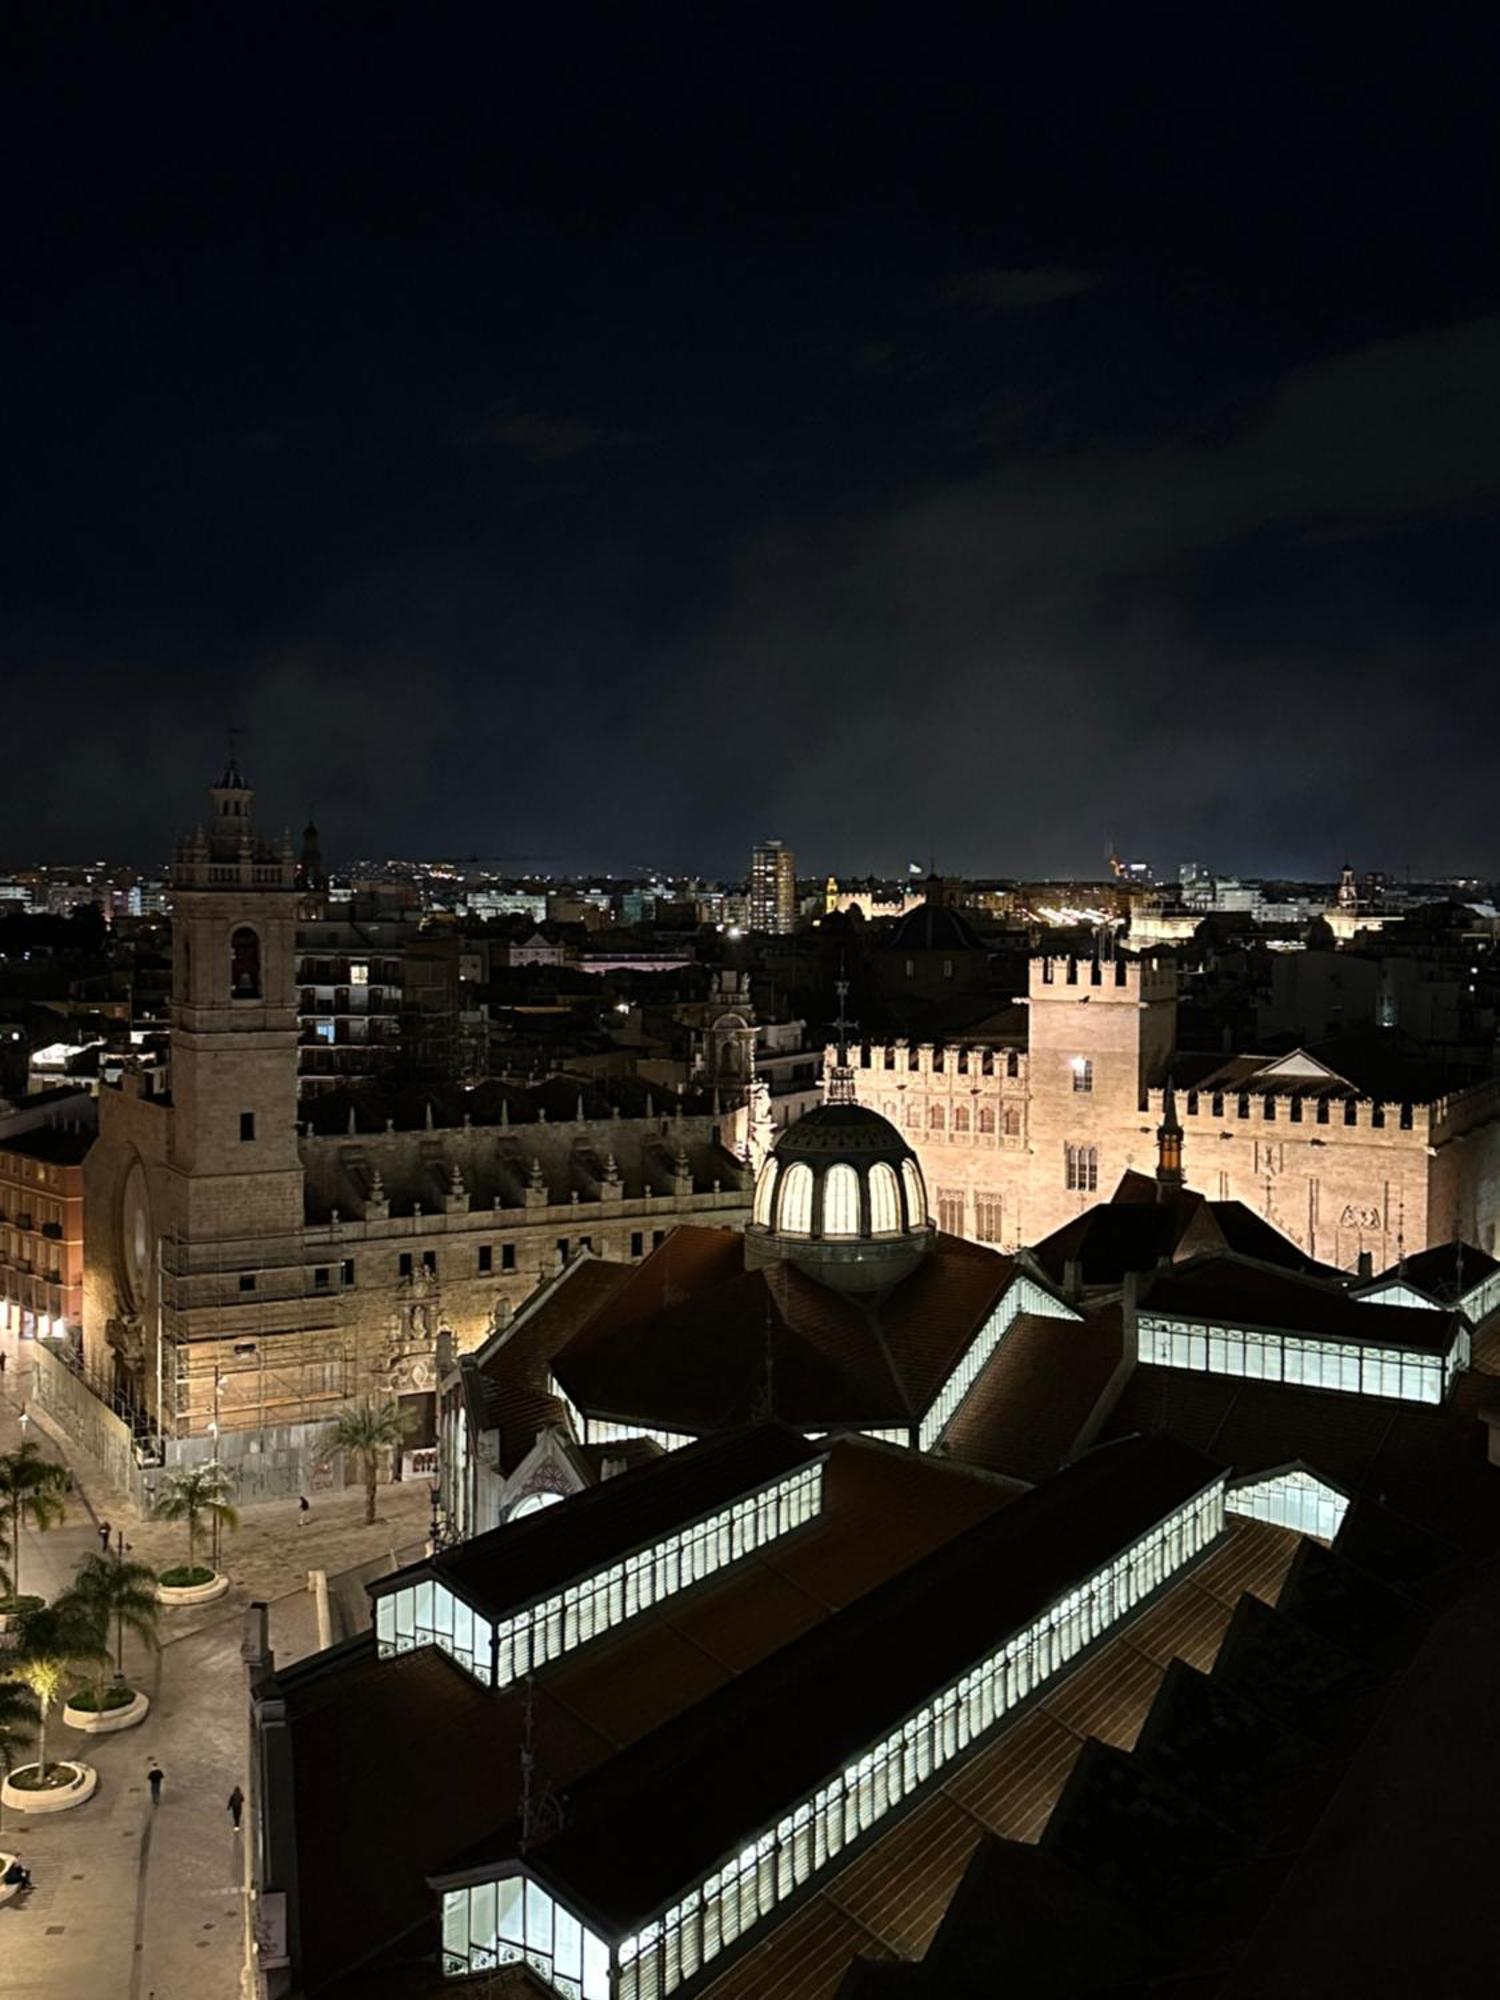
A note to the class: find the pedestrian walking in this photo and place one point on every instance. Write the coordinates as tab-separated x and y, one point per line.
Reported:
155	1778
304	1508
104	1535
236	1806
2	1364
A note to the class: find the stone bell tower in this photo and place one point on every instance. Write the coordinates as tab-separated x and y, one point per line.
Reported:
234	1025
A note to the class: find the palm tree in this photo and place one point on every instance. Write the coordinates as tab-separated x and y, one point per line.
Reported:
47	1647
367	1431
192	1493
31	1487
109	1589
18	1718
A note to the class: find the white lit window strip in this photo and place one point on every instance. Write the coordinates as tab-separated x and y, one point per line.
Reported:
765	1195
901	1437
542	1632
726	1904
1294	1499
1024	1296
603	1430
428	1614
1407	1376
500	1923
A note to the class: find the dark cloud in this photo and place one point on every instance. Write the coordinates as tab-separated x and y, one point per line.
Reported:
997	291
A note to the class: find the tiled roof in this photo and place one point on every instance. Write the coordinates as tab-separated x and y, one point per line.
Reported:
1231	1289
416	1729
1036	1392
701	1343
521	1561
1428	1463
514	1365
661	1814
1134	1231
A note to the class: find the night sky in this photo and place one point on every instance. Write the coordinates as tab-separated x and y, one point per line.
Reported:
589	444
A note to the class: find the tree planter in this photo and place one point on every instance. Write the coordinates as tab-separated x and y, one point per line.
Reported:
193	1593
56	1798
103	1721
7	1889
12	1608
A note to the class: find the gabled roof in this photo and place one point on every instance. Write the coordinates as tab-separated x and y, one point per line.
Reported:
1233	1290
513	1365
514	1565
1137	1229
704	1343
1446	1272
663	1812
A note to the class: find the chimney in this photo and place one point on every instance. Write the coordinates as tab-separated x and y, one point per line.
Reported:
1366	1264
1072	1278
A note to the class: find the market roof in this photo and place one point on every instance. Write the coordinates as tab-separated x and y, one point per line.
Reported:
1137	1228
1447	1272
1236	1291
450	1749
704	1350
663	1813
521	1561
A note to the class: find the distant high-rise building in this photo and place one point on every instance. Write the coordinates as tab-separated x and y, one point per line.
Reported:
773	887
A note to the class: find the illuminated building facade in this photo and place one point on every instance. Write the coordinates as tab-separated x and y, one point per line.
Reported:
773	888
1015	1140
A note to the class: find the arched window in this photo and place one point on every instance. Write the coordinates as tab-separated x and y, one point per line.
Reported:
960	1117
986	1118
936	1118
1012	1122
841	1202
244	964
533	1504
765	1195
885	1201
916	1196
794	1209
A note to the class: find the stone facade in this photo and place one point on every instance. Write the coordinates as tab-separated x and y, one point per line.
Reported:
1014	1142
245	1279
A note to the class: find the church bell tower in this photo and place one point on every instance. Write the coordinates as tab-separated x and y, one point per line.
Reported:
234	1024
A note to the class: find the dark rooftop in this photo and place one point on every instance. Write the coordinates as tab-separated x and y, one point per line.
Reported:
524	1560
1232	1290
661	1814
685	1345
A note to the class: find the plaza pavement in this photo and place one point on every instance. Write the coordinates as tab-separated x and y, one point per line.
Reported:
136	1903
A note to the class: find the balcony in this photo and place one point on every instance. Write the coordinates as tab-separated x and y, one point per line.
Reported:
24	1222
54	1230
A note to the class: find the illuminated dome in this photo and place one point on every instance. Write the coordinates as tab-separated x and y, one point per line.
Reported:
841	1196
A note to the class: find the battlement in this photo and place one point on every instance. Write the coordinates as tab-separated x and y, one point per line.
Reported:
1135	981
903	1058
1258	1109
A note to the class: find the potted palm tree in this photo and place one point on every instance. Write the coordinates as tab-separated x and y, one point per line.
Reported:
31	1490
44	1651
367	1432
17	1726
194	1494
115	1594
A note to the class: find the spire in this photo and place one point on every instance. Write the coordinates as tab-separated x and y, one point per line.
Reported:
1168	1147
840	1088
